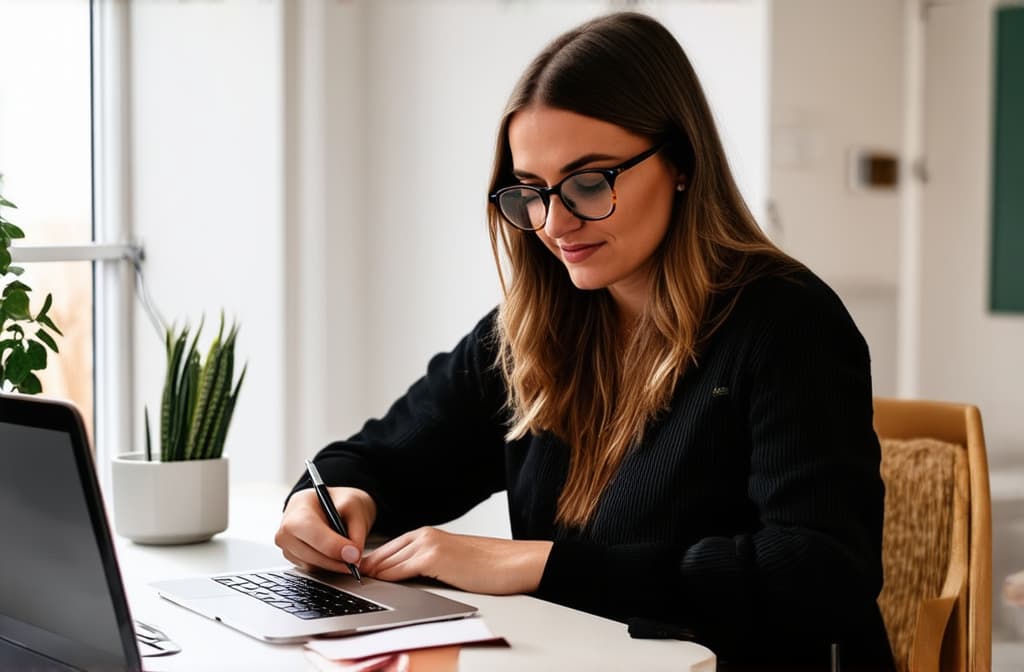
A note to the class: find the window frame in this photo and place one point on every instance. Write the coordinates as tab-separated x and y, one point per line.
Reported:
112	254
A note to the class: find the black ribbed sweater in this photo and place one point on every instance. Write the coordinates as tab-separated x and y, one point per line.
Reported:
751	514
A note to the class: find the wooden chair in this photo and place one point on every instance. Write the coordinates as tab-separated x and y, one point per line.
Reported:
937	547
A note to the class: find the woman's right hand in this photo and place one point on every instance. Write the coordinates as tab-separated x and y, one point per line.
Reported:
308	540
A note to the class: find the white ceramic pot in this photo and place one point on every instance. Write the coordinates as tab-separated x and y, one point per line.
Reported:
169	502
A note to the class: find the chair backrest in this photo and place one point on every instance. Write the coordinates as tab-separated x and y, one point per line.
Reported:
954	626
924	550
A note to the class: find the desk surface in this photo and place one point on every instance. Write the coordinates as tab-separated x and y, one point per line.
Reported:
542	635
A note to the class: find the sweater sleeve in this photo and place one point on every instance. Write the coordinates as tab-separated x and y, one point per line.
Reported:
439	449
812	569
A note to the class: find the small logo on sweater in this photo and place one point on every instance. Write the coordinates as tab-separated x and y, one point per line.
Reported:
720	392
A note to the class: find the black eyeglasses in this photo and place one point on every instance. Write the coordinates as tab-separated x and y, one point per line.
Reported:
588	194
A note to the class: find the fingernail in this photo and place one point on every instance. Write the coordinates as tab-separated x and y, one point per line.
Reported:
350	554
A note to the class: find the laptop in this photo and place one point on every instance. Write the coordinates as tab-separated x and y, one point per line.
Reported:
52	512
62	604
284	605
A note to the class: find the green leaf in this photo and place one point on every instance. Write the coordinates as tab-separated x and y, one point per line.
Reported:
46	338
46	307
30	385
171	436
11	230
198	400
204	404
5	259
217	448
187	403
15	270
36	355
149	441
7	204
184	406
227	397
45	320
17	366
16	285
219	399
16	305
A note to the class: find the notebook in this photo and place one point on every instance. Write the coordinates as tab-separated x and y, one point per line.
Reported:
62	604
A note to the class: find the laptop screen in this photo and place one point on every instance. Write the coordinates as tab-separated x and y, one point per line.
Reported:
56	592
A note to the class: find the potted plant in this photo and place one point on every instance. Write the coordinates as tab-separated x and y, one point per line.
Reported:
183	497
24	339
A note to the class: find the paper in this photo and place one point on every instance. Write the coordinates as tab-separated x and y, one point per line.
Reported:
440	659
443	633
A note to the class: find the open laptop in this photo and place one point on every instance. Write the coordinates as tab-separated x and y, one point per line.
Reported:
62	604
63	562
283	604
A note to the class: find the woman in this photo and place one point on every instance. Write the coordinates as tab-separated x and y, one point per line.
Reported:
680	413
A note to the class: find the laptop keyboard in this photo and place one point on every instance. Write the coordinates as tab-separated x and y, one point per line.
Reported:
297	595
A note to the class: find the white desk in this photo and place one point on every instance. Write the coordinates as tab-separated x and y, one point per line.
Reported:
542	635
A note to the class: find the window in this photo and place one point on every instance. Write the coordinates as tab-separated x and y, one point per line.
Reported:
54	113
46	163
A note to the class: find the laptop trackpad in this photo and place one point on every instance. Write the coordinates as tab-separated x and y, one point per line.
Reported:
191	589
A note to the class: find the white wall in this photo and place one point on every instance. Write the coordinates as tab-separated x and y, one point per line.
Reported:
437	77
413	92
837	84
730	46
967	353
323	241
206	161
319	169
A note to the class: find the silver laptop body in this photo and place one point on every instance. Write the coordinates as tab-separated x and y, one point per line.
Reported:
397	604
247	601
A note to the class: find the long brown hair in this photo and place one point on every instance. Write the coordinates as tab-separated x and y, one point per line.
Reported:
560	348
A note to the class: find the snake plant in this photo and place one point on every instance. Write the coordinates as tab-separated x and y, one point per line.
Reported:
198	396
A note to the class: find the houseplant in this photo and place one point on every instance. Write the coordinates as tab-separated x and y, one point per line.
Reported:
21	353
183	496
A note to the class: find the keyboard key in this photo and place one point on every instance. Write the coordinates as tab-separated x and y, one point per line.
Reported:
297	595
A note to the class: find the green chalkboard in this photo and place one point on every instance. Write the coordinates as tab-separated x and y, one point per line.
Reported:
1007	288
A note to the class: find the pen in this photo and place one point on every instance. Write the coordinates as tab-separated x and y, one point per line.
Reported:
332	514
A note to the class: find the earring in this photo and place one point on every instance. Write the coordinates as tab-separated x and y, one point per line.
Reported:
680	187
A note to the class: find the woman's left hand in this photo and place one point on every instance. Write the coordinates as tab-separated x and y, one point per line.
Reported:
474	564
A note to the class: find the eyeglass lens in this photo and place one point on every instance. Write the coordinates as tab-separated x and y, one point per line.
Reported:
587	195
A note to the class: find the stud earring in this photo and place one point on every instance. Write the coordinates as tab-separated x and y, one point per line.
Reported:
680	187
